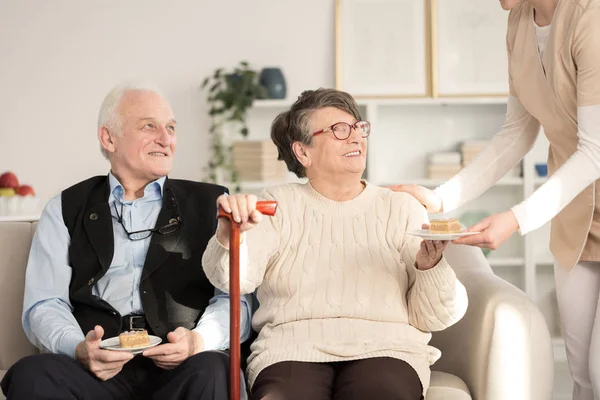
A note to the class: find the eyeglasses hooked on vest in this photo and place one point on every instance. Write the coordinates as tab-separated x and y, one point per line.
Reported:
170	227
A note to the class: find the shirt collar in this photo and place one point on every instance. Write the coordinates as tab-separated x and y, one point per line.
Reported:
153	190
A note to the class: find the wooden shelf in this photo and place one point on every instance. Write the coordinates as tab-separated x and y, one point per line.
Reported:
386	102
431	183
438	101
545	261
506	261
272	103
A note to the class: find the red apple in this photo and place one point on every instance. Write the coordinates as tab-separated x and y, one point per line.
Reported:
9	180
25	190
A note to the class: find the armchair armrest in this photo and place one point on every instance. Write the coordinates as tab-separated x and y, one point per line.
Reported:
502	347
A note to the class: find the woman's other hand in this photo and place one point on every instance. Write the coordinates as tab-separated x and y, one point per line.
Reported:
430	253
242	208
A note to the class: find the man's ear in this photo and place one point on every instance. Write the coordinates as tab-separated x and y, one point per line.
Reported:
302	154
106	139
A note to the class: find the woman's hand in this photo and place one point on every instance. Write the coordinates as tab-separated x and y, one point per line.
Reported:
495	230
430	253
427	197
242	208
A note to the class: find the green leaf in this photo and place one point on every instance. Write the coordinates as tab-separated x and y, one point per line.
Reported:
214	87
206	80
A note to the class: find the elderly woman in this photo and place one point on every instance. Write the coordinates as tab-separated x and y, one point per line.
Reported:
347	297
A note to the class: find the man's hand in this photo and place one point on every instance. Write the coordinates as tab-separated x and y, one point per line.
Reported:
495	230
430	253
427	197
243	210
183	343
103	363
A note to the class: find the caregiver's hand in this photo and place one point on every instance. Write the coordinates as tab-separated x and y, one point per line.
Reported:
495	230
427	197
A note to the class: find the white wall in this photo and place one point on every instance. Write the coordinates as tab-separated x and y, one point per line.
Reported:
58	59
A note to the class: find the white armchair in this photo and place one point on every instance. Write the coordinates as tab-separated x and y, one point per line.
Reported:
501	349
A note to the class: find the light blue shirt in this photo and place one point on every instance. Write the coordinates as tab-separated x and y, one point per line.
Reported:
47	312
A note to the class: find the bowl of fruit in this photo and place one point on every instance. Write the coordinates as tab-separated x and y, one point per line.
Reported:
16	199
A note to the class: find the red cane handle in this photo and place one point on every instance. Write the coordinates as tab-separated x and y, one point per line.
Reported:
266	207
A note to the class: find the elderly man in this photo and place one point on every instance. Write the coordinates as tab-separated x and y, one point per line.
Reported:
120	252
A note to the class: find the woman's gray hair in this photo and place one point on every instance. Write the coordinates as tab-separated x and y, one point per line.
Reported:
292	126
109	116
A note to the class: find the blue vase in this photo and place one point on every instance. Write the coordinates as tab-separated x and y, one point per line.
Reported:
272	79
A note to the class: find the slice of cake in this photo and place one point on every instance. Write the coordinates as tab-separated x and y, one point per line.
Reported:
450	225
131	339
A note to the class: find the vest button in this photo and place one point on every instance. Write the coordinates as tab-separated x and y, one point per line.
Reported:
93	216
91	281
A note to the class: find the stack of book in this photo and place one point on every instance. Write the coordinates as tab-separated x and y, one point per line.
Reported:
257	161
444	165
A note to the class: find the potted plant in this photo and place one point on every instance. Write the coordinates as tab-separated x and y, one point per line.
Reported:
230	95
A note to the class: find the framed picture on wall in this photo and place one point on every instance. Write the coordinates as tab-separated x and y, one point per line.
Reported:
469	48
382	47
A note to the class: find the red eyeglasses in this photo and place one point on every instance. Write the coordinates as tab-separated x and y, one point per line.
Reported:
342	130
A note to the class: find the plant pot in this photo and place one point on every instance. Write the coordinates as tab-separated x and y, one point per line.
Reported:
272	79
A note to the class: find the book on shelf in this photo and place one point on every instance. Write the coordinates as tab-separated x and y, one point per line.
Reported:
257	161
443	165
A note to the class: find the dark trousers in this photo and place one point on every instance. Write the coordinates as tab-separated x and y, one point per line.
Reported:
373	378
204	376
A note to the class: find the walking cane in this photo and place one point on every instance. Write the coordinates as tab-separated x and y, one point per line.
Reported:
265	208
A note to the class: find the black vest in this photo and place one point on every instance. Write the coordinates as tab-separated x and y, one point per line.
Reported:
173	288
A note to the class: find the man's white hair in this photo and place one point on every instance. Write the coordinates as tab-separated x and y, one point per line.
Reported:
109	116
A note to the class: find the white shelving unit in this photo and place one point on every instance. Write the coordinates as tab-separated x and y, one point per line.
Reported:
406	132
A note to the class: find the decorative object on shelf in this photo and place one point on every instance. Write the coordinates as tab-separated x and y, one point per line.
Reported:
468	49
16	199
273	80
470	218
389	58
541	169
230	95
257	161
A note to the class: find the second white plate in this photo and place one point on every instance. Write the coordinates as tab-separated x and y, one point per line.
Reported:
425	234
113	344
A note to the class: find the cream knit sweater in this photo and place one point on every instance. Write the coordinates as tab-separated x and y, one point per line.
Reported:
336	281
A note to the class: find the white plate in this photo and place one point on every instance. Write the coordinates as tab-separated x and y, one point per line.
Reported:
113	344
425	234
